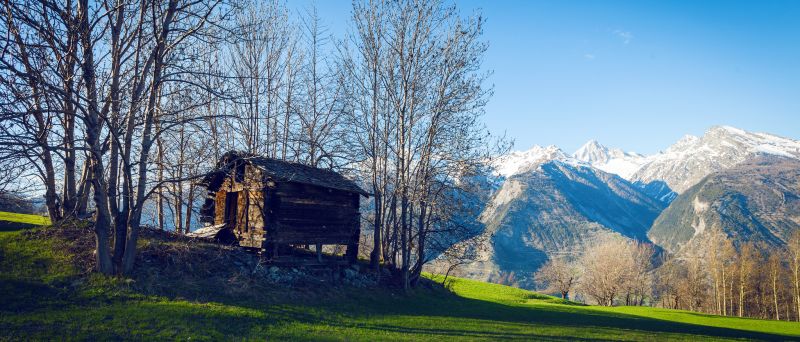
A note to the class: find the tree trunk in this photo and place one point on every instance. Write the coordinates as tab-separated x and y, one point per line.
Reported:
178	205
150	112
70	190
189	207
160	199
796	267
741	297
775	297
724	293
404	252
375	255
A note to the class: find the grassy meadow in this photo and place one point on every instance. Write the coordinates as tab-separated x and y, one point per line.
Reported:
14	221
48	295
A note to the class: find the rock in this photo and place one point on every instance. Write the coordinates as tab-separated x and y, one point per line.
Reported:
350	273
274	269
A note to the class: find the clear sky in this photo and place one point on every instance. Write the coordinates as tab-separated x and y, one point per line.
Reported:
633	74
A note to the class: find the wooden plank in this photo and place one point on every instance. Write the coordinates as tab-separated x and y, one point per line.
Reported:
305	225
288	209
284	226
242	205
219	207
315	201
256	210
317	216
285	189
325	240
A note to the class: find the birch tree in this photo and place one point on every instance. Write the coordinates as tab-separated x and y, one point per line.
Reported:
793	252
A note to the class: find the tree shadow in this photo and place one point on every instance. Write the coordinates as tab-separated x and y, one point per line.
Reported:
467	308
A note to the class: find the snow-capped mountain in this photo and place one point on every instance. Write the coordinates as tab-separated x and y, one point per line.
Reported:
689	160
551	204
522	161
547	202
676	169
614	160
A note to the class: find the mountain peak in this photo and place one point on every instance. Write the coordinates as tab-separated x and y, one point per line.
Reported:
727	129
522	161
592	152
614	160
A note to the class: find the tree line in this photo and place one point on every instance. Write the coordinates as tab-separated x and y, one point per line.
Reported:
725	278
116	107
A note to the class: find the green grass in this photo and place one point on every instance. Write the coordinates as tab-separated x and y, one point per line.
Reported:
14	221
46	296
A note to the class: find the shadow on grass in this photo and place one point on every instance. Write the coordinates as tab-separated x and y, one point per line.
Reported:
7	226
26	295
240	317
506	320
554	316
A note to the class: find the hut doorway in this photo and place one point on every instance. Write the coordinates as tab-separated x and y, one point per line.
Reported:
231	203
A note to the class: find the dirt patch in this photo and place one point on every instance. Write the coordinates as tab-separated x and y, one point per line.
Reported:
199	269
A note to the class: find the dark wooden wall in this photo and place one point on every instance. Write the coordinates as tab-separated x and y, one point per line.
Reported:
311	214
286	213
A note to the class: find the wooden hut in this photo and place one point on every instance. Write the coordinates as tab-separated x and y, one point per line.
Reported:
269	204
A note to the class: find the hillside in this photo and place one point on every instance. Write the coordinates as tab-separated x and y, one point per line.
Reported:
49	295
14	221
757	201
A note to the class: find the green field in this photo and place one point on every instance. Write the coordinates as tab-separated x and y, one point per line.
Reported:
13	221
46	296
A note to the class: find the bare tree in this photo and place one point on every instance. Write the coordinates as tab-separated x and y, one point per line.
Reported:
108	64
558	275
775	271
415	94
605	269
746	264
639	280
793	251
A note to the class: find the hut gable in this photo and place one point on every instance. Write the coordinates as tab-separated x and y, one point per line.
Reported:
268	203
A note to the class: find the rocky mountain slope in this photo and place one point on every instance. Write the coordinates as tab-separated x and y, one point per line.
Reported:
556	206
758	201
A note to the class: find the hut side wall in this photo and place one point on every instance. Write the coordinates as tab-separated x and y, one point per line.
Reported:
308	214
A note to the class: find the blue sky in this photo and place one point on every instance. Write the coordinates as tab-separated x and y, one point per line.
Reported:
633	74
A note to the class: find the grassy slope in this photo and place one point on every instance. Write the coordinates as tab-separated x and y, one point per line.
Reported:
45	297
13	221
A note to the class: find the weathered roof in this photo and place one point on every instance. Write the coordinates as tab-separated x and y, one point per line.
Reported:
284	171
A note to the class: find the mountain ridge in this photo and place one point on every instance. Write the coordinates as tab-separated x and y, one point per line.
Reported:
552	203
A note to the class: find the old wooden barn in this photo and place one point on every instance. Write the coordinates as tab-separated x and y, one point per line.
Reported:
269	204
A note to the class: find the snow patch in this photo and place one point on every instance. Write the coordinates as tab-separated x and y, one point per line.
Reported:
519	162
699	208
